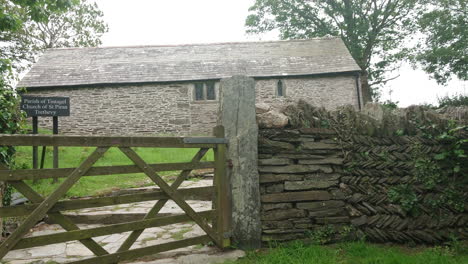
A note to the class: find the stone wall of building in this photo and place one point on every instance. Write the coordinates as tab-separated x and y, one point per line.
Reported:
308	186
170	109
126	110
329	92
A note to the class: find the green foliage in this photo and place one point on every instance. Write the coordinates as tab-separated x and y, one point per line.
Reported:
292	253
37	10
80	25
322	235
426	171
405	196
399	132
390	104
11	120
457	246
352	253
373	32
7	194
443	50
445	174
326	234
457	100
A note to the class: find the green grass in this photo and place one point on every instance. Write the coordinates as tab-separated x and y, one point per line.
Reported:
70	157
352	253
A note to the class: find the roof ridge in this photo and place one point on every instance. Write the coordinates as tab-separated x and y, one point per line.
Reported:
197	44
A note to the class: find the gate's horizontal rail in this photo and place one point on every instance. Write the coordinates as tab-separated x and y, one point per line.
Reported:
106	230
19	175
199	193
109	141
139	252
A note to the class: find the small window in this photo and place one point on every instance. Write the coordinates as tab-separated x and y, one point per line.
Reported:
210	91
280	89
205	91
199	91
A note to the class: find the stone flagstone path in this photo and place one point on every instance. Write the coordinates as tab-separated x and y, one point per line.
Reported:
72	251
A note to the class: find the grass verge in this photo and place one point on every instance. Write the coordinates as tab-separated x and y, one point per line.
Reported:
353	253
70	157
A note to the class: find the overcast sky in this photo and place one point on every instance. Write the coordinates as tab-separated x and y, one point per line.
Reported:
156	22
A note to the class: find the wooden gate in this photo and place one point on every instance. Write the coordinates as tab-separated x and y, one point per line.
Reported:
214	222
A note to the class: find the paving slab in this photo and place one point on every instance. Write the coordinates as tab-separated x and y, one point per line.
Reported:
74	250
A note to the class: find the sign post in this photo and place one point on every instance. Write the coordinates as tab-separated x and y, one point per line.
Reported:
55	132
35	131
35	106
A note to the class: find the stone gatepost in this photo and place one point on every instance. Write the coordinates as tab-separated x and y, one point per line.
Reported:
237	115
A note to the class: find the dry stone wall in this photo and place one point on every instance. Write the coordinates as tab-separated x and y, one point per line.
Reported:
309	183
378	164
300	173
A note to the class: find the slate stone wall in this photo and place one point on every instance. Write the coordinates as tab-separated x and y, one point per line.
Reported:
307	185
127	110
329	92
170	108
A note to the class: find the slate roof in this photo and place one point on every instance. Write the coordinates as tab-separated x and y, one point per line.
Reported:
143	64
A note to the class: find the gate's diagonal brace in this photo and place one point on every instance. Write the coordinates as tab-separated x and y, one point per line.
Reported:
49	202
58	218
133	156
127	244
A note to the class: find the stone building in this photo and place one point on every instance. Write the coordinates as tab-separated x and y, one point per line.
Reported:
174	89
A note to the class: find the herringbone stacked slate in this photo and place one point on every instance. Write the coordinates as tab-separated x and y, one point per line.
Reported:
309	180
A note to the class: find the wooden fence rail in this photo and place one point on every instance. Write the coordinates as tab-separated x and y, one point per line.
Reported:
215	222
110	141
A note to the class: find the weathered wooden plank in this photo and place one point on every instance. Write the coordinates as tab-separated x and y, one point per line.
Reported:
160	204
45	206
98	141
37	241
19	175
105	218
198	193
205	140
136	253
58	218
34	149
172	193
223	195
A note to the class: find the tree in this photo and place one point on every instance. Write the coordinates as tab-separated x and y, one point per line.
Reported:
11	22
372	30
443	51
13	15
81	25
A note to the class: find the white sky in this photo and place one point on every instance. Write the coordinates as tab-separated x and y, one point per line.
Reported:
155	22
